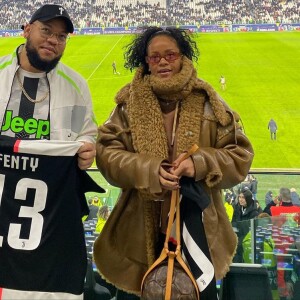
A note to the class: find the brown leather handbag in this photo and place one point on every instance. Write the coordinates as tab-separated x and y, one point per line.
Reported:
169	277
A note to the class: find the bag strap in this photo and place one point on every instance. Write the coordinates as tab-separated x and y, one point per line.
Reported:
166	253
175	203
178	256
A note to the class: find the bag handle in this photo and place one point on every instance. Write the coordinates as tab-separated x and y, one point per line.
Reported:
166	253
177	254
175	203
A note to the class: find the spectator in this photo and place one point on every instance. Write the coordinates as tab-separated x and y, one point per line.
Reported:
36	88
188	12
268	197
93	209
245	210
229	200
272	126
96	201
42	66
246	184
161	113
295	197
103	214
276	201
253	186
282	204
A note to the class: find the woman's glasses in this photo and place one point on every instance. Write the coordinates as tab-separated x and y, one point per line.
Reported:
169	57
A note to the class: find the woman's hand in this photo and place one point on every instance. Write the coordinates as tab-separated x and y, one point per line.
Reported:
167	180
184	168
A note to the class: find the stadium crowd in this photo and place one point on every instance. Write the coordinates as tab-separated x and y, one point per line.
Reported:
121	13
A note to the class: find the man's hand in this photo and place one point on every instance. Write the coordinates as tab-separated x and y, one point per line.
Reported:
86	155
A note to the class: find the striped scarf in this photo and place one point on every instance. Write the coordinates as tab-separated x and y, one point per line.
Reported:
194	244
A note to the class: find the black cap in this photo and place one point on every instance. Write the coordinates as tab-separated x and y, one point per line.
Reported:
51	11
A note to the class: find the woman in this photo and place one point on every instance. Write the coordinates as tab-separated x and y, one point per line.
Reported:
245	210
103	214
161	113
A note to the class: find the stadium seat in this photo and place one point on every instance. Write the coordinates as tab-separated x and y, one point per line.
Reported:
93	290
246	282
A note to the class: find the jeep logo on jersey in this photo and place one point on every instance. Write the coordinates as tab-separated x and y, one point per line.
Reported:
17	124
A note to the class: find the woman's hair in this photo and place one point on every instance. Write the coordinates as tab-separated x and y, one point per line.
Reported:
103	212
136	52
248	196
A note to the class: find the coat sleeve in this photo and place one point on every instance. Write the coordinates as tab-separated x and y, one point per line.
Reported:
225	161
118	162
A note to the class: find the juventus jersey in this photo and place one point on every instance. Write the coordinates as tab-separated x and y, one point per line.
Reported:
42	246
27	113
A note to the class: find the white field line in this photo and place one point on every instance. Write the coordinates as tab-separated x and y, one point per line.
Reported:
105	57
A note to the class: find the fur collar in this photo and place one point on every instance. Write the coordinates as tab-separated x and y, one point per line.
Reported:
198	101
144	113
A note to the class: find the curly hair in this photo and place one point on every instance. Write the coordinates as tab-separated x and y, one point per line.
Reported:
136	51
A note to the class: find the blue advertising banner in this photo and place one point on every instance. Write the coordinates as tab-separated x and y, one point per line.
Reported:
254	27
192	28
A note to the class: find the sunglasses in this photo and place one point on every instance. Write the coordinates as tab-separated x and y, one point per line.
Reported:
169	57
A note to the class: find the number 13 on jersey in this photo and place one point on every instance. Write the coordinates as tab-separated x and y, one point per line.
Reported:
33	212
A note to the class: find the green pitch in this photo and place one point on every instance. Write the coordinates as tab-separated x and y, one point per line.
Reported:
262	72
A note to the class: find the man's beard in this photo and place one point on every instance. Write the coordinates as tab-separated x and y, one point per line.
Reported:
37	62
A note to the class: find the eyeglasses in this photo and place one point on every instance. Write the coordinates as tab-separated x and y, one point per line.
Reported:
169	57
46	33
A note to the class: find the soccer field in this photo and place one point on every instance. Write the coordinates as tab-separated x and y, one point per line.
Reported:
262	72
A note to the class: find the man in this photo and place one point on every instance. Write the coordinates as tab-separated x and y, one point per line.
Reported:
41	98
272	126
253	186
283	205
42	248
93	208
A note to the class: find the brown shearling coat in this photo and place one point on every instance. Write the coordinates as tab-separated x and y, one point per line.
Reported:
124	250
